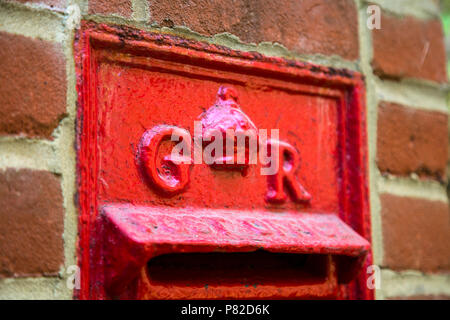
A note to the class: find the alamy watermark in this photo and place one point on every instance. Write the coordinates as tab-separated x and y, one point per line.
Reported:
73	280
374	278
374	19
231	147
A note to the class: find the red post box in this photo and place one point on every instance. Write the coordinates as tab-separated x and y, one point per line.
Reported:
160	220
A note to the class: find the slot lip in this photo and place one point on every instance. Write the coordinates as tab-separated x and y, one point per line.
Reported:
132	235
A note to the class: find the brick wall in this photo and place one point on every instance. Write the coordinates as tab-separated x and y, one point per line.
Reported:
405	68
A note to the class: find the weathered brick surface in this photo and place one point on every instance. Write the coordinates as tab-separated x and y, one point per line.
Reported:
31	223
32	85
412	140
60	4
107	7
409	47
328	27
416	234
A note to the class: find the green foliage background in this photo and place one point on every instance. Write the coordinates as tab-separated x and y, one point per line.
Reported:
445	9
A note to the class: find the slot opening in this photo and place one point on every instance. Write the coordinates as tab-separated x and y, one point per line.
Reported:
238	269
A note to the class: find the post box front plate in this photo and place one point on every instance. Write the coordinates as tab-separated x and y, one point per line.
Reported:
135	88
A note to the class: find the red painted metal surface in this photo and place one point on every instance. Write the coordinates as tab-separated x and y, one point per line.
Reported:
133	235
142	214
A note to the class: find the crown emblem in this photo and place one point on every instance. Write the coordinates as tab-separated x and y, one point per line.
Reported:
226	121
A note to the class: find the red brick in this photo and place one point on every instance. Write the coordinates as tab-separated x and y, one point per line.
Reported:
412	141
416	234
109	7
31	223
60	4
310	26
32	86
409	47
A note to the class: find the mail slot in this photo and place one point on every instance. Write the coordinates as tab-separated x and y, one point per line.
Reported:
210	173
